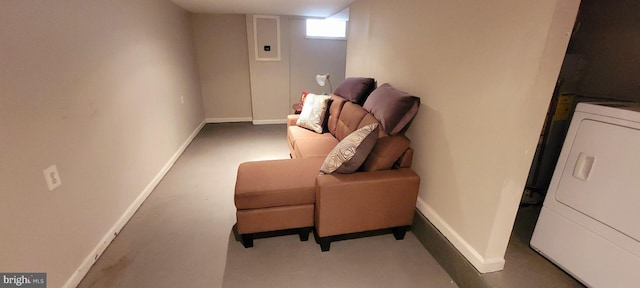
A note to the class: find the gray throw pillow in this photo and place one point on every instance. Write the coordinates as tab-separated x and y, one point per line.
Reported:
352	151
355	89
392	107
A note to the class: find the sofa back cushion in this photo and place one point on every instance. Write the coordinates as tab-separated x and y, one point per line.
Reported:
355	89
349	120
386	152
393	108
406	160
369	119
335	107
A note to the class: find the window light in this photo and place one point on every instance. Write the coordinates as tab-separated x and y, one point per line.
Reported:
326	28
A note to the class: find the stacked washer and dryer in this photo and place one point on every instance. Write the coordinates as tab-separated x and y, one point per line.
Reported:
589	224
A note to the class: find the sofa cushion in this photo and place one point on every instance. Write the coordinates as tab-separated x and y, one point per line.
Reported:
355	89
335	107
295	133
368	120
313	112
349	120
406	160
274	183
314	147
393	108
352	151
386	152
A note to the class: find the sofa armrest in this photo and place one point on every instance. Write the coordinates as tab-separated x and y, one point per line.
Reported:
292	119
364	201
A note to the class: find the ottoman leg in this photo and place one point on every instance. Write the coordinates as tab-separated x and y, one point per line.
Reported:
247	240
304	233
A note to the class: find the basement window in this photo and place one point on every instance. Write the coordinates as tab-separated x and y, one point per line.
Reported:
326	29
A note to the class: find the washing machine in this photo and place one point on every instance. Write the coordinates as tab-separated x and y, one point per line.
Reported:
589	224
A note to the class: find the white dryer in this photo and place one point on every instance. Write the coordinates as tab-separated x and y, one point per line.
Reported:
589	224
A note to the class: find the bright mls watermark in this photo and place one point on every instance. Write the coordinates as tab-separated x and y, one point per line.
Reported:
23	280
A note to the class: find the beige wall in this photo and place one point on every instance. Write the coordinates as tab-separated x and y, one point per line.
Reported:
310	57
223	63
95	88
276	85
269	79
485	72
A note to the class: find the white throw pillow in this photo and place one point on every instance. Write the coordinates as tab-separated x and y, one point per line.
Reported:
313	112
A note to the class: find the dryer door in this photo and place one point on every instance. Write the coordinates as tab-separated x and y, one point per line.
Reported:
601	178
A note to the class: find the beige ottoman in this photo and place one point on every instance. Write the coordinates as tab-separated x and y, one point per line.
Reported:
275	195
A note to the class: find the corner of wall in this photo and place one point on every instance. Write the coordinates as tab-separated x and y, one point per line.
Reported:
482	264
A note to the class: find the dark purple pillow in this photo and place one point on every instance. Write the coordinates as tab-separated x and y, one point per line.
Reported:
355	89
393	108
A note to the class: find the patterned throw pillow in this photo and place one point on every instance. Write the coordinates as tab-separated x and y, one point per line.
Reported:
313	112
352	151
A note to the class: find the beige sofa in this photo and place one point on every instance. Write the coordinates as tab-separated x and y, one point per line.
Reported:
293	194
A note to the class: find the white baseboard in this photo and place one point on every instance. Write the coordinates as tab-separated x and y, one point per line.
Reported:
476	259
270	121
77	276
229	120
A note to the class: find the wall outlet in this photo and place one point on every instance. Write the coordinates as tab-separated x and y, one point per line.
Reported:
182	99
52	177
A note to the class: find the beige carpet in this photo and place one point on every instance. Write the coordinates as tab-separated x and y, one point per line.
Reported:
181	236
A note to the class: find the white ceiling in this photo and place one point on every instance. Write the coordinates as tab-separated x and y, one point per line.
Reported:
311	8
